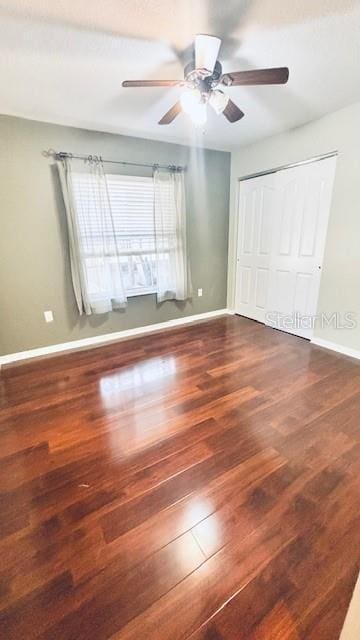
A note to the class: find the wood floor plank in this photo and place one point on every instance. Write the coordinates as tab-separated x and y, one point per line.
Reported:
206	590
121	597
244	612
201	485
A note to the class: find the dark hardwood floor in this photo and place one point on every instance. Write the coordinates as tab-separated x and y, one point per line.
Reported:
202	483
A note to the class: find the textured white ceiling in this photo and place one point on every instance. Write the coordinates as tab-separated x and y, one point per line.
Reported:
64	62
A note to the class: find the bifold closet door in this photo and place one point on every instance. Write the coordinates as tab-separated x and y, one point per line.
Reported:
283	219
255	229
303	199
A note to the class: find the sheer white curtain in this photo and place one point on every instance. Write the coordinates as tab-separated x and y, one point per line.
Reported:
94	253
172	269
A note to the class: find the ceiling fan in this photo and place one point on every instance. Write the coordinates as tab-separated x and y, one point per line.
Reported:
202	77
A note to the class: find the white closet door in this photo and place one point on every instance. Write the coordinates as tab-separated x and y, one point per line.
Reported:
256	213
283	219
303	198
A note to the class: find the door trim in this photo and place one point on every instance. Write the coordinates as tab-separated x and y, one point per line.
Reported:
266	172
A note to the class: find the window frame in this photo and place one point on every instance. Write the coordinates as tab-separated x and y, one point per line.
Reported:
144	291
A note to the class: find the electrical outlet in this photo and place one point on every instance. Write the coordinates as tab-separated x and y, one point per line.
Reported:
199	293
48	315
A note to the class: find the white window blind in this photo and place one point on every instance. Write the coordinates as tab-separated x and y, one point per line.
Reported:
133	233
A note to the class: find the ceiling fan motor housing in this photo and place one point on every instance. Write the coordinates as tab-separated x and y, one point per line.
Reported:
202	79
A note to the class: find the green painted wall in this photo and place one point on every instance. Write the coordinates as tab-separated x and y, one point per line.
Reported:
34	261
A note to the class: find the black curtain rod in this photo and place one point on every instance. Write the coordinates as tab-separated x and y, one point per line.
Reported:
51	153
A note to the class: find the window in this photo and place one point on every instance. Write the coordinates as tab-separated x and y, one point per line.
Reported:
133	233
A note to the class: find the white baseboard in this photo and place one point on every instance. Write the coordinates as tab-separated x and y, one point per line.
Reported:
333	346
111	337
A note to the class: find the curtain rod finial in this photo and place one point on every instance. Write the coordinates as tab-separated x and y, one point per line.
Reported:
48	153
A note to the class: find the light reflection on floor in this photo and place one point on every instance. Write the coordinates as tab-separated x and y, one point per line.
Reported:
198	509
137	375
121	389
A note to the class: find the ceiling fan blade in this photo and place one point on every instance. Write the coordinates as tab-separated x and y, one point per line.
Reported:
171	114
278	75
232	112
150	83
206	51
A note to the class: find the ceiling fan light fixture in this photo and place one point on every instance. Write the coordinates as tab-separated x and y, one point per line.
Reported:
190	99
199	114
219	101
193	105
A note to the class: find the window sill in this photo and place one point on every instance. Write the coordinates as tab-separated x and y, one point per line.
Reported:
144	292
